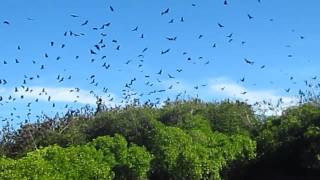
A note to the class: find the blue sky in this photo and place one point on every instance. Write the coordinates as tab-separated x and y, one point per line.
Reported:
282	36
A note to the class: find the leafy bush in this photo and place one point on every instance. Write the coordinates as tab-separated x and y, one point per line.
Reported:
197	153
232	118
295	135
96	160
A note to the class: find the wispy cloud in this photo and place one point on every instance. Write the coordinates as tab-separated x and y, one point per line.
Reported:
61	94
217	88
268	100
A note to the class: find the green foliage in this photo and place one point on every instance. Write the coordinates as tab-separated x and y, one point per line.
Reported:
55	162
226	117
181	140
130	162
291	141
135	124
174	112
96	160
196	152
139	162
65	132
232	118
198	122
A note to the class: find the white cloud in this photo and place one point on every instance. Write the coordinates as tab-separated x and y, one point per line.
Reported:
217	88
269	100
266	101
62	94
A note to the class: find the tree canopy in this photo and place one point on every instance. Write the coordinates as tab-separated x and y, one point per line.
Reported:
181	140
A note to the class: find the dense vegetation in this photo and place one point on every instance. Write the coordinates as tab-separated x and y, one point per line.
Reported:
181	140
